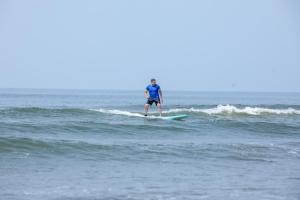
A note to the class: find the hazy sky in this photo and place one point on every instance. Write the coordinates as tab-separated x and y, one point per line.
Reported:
117	44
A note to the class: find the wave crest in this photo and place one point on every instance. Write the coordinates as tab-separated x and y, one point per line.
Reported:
119	112
230	109
216	110
220	109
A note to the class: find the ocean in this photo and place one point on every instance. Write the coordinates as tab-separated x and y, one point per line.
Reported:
96	145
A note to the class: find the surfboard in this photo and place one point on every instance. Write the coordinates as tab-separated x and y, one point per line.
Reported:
174	117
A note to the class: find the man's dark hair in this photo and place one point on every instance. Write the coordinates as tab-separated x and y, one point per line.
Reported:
153	79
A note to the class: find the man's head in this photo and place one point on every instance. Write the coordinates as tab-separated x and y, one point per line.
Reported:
153	81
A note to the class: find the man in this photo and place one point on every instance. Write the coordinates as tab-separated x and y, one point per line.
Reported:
153	94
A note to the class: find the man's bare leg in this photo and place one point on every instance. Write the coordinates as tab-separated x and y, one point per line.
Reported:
159	109
146	107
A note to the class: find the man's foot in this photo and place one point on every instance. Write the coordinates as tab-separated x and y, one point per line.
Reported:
145	115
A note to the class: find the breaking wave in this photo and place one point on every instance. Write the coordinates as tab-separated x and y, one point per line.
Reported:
220	109
124	113
202	109
230	109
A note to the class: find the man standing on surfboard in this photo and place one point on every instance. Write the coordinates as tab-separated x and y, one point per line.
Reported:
153	94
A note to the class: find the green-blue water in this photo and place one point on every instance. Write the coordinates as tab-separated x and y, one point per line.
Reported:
77	144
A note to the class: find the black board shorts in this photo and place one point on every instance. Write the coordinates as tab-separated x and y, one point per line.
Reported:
151	101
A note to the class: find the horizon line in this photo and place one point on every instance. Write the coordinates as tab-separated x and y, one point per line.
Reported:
171	90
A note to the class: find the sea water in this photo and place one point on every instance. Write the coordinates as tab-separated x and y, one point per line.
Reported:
96	144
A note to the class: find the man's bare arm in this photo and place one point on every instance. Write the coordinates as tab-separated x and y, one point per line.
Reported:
146	94
160	95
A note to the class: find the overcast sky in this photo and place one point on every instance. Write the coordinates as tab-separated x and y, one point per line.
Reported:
117	44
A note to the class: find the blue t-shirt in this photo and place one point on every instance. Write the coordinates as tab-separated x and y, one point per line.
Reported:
153	91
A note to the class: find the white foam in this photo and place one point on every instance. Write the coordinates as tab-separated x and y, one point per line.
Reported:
220	109
119	112
293	152
229	109
122	112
